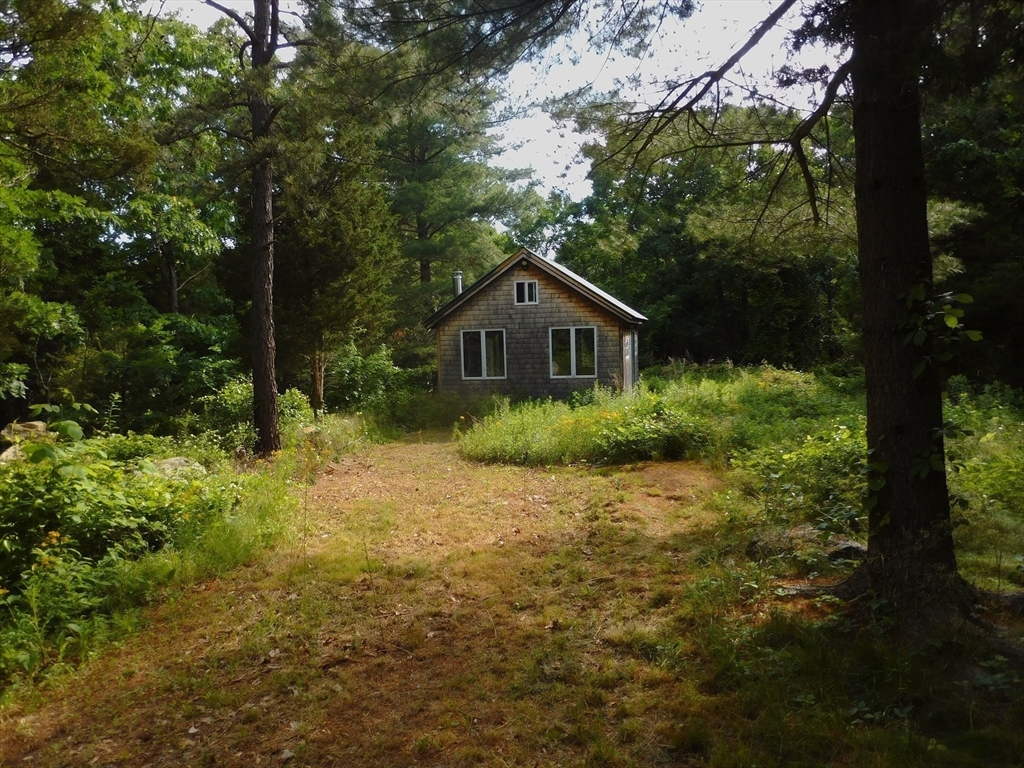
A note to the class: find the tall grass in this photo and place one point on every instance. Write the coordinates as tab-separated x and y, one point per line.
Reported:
682	411
795	443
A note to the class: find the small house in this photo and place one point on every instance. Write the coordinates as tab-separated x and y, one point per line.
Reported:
533	328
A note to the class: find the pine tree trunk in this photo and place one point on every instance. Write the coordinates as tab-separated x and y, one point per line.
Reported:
423	234
264	379
261	112
318	371
911	559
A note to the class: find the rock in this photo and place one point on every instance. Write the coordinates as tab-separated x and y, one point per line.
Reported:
16	431
804	537
13	453
845	549
177	464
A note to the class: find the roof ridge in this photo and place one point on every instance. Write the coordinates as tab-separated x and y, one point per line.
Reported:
559	271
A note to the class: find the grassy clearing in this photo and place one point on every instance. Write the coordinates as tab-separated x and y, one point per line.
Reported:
434	611
795	445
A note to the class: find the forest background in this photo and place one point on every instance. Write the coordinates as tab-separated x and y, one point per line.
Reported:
126	232
149	168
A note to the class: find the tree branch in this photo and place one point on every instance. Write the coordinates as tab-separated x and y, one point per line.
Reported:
807	125
237	17
667	111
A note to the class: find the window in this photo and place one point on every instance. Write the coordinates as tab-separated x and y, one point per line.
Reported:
483	354
526	291
574	351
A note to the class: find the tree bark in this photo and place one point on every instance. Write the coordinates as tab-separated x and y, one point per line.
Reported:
317	371
911	559
171	275
423	234
261	113
264	353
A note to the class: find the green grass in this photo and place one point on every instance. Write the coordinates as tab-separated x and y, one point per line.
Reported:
623	624
712	414
793	442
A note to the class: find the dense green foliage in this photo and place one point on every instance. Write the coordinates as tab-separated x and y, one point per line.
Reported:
681	411
90	529
794	442
80	535
125	242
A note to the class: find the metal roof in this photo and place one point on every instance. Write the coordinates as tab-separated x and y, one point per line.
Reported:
556	270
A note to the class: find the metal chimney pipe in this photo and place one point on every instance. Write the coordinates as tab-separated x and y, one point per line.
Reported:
457	282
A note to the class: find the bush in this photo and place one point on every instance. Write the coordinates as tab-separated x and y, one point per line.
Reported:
355	381
93	507
985	455
820	481
391	399
226	417
98	529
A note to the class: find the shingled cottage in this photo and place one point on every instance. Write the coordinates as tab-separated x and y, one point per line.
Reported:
531	328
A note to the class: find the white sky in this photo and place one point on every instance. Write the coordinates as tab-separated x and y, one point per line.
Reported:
701	42
681	48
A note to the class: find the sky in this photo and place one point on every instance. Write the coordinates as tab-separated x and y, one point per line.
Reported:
680	48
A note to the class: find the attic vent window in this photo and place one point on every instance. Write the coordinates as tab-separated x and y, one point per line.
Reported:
526	291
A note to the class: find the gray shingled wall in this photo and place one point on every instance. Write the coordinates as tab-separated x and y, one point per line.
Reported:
527	357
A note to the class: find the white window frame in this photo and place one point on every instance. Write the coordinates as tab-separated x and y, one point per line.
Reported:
483	354
572	351
526	292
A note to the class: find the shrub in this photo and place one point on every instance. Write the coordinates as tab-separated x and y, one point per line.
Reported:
97	529
355	381
819	481
391	399
93	506
226	417
985	454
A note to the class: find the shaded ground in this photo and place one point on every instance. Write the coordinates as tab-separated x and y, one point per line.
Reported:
433	612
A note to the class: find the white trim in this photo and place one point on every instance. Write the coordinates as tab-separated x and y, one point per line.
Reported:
483	354
572	352
526	292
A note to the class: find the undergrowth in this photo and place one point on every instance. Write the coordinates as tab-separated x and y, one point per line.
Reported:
795	443
714	414
93	528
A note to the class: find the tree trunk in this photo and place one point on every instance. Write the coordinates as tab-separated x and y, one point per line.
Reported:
171	275
263	32
318	370
264	379
423	234
261	112
911	560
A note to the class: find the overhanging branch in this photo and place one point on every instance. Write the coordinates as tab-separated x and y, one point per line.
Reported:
234	15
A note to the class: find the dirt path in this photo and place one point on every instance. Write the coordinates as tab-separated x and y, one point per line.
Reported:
436	612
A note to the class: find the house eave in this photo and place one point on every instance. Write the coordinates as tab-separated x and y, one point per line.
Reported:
559	272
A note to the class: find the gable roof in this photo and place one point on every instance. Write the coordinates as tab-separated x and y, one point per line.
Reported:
561	273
